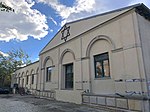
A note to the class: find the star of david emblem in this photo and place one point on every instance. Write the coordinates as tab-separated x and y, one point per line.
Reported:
65	33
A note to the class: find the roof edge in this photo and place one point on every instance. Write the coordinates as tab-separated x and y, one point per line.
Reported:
136	6
144	11
108	12
28	65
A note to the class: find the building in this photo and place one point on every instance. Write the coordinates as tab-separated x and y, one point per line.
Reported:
102	60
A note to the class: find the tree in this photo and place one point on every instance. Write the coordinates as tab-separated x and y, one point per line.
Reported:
10	63
4	7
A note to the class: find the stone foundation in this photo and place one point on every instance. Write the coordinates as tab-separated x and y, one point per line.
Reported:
126	103
45	94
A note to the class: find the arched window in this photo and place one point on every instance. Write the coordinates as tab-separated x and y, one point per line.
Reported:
48	66
27	78
48	74
67	62
32	76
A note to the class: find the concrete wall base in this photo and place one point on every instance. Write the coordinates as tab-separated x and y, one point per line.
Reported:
117	103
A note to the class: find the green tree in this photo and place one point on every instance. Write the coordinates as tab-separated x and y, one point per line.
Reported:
10	63
4	7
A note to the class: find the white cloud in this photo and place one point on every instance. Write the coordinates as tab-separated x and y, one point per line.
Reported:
37	59
29	1
84	8
27	22
51	30
146	2
63	22
53	20
80	6
23	23
4	54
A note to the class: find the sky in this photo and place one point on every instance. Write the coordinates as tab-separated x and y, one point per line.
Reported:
35	22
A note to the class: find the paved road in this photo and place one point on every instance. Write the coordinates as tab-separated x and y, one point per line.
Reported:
17	103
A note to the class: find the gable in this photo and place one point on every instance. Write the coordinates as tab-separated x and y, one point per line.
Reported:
74	29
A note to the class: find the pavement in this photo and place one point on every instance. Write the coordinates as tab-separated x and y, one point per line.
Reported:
29	103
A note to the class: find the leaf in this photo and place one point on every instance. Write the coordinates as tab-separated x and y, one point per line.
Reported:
15	59
6	8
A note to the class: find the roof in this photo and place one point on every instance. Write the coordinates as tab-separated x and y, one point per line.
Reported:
28	64
140	8
93	21
143	11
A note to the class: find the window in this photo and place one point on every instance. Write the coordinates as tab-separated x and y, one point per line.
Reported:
27	79
69	76
102	68
48	74
32	79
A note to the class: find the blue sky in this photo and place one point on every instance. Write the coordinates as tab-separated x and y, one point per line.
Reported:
35	22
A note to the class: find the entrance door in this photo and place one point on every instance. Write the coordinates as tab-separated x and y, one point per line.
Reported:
69	76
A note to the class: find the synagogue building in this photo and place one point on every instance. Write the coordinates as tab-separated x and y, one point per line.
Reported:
100	60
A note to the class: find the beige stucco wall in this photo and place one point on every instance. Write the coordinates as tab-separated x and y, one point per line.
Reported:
83	25
69	96
144	32
28	71
119	37
122	34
